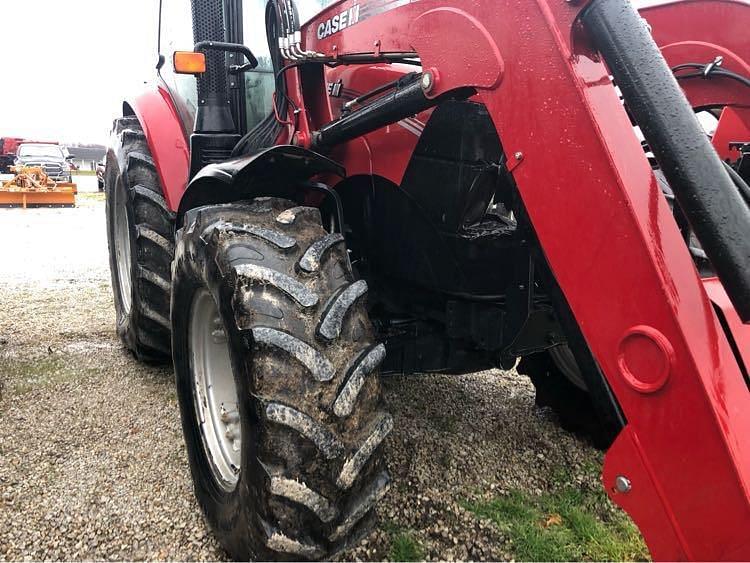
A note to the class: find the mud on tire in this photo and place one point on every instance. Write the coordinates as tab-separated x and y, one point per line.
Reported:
141	276
304	365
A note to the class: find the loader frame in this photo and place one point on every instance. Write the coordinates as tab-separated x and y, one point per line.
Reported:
627	276
671	346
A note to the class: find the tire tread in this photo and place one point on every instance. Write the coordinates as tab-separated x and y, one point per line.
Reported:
146	331
306	452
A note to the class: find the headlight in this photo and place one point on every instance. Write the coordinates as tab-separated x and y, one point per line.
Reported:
65	166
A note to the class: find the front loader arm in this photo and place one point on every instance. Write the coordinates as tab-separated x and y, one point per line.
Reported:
681	465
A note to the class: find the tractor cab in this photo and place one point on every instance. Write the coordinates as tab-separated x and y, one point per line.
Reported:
229	98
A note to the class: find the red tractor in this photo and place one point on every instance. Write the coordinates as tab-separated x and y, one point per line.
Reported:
442	186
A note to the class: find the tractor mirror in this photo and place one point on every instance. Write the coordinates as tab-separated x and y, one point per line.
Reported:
189	62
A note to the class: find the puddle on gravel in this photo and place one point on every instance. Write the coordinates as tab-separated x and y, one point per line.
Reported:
84	346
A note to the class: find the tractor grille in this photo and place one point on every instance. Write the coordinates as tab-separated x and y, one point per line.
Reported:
208	25
210	156
210	149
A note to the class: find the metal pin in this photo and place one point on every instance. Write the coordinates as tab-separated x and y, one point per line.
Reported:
622	484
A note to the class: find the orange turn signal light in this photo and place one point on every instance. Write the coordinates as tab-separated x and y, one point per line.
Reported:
189	62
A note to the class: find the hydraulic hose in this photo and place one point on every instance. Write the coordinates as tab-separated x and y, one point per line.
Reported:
709	199
707	71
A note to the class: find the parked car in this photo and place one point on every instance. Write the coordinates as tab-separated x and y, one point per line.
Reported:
9	149
50	157
100	175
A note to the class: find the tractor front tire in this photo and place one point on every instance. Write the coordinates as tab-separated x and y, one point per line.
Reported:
276	369
140	232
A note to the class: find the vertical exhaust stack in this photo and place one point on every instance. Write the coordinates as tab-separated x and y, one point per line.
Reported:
214	114
705	192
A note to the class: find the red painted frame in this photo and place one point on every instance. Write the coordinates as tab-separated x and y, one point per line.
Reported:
630	282
166	139
698	31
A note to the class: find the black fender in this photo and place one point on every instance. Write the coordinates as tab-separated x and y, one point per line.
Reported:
275	172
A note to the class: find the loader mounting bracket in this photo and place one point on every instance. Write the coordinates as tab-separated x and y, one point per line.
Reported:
275	171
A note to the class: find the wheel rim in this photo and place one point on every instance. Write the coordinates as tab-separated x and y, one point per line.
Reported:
122	250
565	361
214	391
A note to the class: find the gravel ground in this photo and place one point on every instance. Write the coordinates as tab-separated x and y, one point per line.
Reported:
93	464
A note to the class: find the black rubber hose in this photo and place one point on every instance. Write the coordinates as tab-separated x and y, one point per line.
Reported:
706	193
716	71
265	133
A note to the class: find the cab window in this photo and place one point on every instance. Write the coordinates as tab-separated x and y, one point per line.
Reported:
259	86
177	35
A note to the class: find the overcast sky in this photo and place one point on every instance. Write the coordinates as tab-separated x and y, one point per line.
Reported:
68	63
71	63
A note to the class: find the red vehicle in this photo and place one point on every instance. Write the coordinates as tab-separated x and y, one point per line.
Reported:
8	146
442	186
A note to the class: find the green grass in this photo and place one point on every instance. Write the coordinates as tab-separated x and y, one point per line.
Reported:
90	196
405	548
84	172
22	376
447	423
567	525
